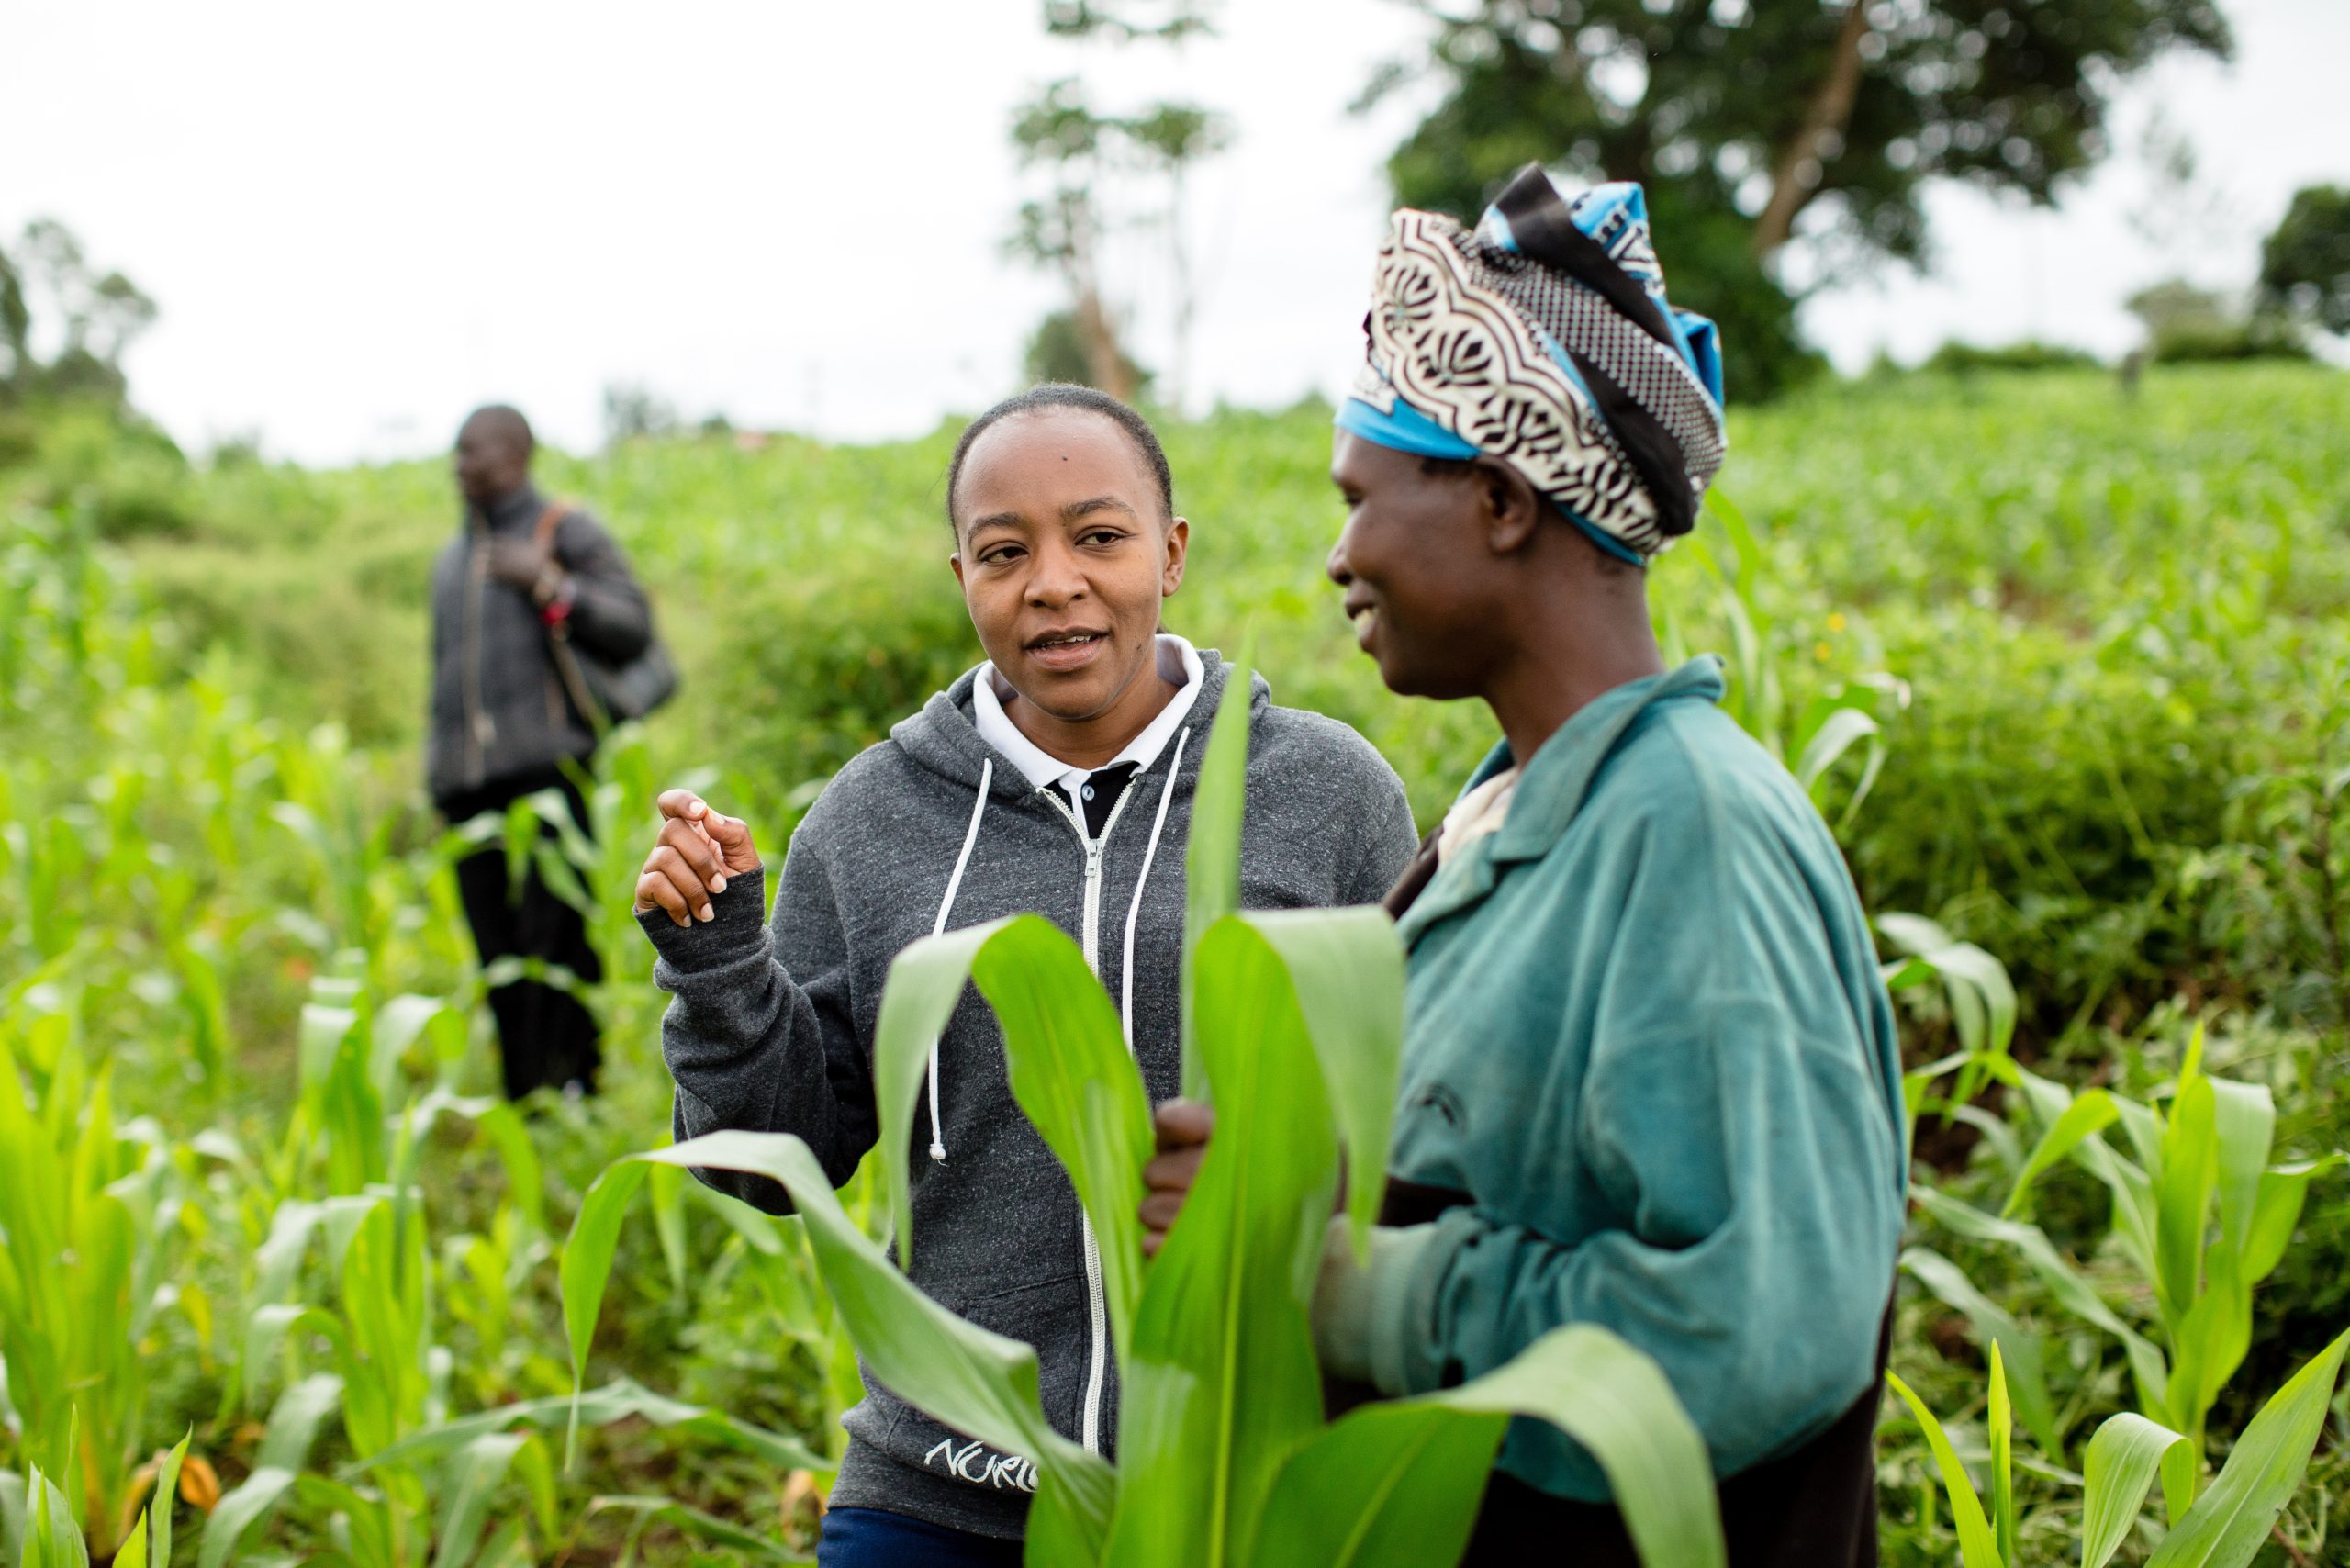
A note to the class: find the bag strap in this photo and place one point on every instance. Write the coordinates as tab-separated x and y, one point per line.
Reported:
566	662
544	533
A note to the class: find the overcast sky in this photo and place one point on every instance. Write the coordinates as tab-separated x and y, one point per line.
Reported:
361	221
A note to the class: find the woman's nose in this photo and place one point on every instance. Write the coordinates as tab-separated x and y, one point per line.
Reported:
1056	578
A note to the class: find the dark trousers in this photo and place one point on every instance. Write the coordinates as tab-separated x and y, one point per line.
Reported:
545	1038
868	1538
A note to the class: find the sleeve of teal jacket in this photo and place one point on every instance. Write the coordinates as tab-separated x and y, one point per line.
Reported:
1732	1110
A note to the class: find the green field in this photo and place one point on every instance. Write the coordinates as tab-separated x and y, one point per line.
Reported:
2100	643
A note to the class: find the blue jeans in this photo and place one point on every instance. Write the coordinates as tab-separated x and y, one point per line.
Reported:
867	1537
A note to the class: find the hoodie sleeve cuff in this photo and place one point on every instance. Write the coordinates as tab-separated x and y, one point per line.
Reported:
1363	1319
736	930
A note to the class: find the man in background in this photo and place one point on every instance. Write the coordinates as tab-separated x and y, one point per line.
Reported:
520	573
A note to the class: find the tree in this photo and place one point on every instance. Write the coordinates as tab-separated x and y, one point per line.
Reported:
48	288
1058	351
633	411
1086	150
2185	323
2305	265
1743	117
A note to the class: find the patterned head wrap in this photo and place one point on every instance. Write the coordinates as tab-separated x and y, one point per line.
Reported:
1543	338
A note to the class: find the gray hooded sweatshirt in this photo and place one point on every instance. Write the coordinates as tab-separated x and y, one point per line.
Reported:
771	1025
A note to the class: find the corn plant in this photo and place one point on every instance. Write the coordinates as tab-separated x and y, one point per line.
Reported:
2225	1528
2198	1210
1225	1458
88	1219
593	869
38	1528
1841	719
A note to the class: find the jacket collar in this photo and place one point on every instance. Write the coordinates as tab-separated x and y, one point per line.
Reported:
1552	787
515	511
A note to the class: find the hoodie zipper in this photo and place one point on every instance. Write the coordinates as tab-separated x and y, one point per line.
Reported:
1097	1300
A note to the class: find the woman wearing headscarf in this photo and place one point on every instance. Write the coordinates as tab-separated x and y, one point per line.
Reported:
1650	1079
1056	777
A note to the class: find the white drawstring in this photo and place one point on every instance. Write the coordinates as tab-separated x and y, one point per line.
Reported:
947	907
1134	910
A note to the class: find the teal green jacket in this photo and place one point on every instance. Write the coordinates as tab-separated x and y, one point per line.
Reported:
1647	1035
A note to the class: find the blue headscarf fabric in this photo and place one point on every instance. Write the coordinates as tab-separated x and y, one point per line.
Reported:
1543	338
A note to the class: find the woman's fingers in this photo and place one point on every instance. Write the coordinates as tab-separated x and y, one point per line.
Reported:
654	890
1180	1122
730	836
683	804
666	868
1182	1128
694	848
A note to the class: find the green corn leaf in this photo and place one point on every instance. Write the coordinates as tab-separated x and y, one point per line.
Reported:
2229	1524
1223	1382
2244	1122
539	1485
668	1184
1839	733
1347	970
1982	998
468	1484
166	1494
132	1552
284	1448
975	1381
2182	1195
1613	1400
2274	1213
1977	1545
2122	1458
620	1400
2084	1118
709	1527
925	983
12	1517
1390	1485
587	1266
2210	1342
1994	1329
1999	1423
1211	855
2072	1292
294	1421
1069	1070
52	1537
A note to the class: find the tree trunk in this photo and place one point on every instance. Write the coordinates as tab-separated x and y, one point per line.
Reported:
1798	177
1104	362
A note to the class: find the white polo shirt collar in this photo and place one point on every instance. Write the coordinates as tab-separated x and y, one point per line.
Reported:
1178	661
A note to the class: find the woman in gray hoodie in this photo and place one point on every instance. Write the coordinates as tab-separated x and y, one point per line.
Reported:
1057	776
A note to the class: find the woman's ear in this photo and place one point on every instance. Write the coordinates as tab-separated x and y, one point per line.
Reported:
1177	546
1510	511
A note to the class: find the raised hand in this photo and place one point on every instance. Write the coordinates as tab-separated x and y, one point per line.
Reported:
698	850
523	562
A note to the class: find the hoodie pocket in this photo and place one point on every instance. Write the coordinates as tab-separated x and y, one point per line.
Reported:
1049	1315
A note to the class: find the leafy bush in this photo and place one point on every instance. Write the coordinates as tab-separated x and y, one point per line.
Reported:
1958	357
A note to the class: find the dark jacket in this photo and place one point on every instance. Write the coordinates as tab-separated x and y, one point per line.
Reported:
772	1025
499	711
